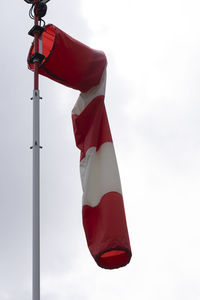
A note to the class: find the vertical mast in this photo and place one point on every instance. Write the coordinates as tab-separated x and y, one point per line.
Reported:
36	173
37	12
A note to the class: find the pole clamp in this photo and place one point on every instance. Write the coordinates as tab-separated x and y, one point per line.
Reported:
36	57
36	145
36	29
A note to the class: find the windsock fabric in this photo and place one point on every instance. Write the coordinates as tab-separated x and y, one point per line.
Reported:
103	210
104	221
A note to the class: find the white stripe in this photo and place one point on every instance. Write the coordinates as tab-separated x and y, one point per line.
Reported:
85	98
99	174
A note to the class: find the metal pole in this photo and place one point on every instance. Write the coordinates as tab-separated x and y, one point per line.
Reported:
36	197
36	176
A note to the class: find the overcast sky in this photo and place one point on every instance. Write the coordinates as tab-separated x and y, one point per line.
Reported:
152	100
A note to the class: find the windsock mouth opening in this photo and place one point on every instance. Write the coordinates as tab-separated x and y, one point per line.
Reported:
47	45
113	259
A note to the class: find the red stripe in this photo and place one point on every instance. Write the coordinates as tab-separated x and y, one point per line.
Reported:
91	127
69	61
106	231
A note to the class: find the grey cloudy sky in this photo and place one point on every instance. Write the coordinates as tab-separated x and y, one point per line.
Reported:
153	105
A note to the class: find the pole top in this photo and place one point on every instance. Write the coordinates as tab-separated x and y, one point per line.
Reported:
32	1
38	9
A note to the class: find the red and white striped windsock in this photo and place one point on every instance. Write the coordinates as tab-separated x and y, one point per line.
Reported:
75	65
103	210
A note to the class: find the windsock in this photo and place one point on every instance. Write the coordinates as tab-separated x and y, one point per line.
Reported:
77	66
